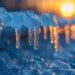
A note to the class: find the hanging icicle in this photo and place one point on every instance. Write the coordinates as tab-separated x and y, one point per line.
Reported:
73	32
39	30
35	39
67	34
56	33
17	38
38	35
45	32
55	39
51	33
30	36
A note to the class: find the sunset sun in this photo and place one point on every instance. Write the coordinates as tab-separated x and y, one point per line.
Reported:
67	9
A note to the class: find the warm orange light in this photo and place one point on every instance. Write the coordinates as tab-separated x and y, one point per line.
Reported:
17	39
55	39
45	33
73	32
67	9
51	33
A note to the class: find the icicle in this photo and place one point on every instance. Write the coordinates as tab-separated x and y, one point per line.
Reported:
56	32
51	33
56	24
38	35
35	39
17	38
30	37
39	30
45	32
67	34
73	32
55	39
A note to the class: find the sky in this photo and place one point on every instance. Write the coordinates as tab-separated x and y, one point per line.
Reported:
42	6
39	5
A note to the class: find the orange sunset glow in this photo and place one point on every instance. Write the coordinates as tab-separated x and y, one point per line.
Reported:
64	8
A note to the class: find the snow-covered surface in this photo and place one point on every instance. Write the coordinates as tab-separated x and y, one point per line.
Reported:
27	61
30	19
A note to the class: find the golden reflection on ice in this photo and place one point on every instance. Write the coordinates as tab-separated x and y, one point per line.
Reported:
55	39
17	38
51	33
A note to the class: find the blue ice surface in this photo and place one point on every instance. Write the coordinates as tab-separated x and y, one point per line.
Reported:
26	60
30	19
